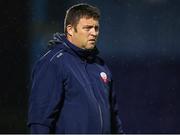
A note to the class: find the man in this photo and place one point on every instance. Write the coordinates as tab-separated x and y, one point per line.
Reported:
71	86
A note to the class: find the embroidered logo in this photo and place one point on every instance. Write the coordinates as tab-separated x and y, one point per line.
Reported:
59	55
104	77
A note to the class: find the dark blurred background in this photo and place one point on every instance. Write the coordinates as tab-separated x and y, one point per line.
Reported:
139	40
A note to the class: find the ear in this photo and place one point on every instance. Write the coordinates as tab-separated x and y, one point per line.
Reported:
70	30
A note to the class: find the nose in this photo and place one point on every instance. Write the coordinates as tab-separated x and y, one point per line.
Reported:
94	31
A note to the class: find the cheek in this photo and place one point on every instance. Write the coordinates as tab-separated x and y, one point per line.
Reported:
84	37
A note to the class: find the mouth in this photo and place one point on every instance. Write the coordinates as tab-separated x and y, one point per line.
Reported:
92	40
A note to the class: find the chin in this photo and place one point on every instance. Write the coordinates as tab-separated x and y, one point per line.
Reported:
91	46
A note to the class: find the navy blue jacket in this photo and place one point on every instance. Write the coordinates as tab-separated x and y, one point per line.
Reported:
71	92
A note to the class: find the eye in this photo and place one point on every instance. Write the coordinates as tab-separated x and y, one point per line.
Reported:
96	28
87	28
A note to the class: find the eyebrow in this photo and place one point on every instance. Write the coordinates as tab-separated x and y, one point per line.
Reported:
91	25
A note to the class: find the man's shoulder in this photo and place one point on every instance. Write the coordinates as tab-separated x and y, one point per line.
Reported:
51	59
53	56
100	61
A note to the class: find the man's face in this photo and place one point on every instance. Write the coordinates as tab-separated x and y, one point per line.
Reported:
86	33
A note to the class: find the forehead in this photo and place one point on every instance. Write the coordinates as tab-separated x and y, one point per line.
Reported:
88	21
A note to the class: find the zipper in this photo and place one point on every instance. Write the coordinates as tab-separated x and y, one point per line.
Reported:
92	94
99	107
101	119
99	110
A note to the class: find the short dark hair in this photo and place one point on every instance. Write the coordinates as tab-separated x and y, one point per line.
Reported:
78	11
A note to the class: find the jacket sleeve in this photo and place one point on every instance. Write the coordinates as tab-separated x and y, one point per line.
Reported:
116	125
46	97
